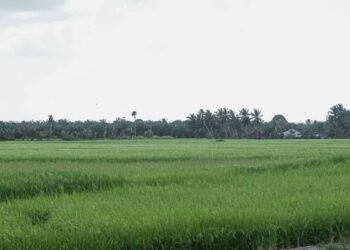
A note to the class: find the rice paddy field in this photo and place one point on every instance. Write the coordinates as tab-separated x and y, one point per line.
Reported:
174	194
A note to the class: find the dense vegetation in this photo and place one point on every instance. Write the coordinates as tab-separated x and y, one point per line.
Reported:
223	123
173	194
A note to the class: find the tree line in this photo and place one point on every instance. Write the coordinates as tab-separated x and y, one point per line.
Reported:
222	123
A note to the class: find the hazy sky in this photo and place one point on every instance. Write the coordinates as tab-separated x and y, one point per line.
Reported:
93	59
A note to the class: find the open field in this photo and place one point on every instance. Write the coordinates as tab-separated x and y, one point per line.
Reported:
174	194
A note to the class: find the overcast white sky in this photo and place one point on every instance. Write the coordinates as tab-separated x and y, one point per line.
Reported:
89	59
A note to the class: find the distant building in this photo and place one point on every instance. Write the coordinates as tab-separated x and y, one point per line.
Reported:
292	133
318	135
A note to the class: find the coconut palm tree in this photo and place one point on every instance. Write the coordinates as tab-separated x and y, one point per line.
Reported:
134	115
222	117
206	118
244	117
50	122
234	124
257	121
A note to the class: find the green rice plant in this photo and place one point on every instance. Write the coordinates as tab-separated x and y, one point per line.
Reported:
174	194
52	182
38	216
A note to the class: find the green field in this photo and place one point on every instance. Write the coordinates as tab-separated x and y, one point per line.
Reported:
174	194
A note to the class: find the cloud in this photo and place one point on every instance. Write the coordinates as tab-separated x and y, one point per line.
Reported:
37	39
17	12
29	5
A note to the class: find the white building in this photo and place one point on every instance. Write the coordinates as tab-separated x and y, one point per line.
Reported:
292	133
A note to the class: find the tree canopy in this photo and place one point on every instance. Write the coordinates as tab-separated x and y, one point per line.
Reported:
222	123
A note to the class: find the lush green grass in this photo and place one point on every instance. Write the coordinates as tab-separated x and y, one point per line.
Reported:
173	194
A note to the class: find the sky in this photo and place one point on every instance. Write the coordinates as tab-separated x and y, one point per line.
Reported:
88	59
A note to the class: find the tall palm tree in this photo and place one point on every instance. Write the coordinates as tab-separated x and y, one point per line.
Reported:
50	121
257	120
209	119
206	118
134	115
222	117
244	117
234	126
193	124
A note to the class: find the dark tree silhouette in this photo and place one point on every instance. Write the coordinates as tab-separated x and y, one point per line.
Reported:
222	123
